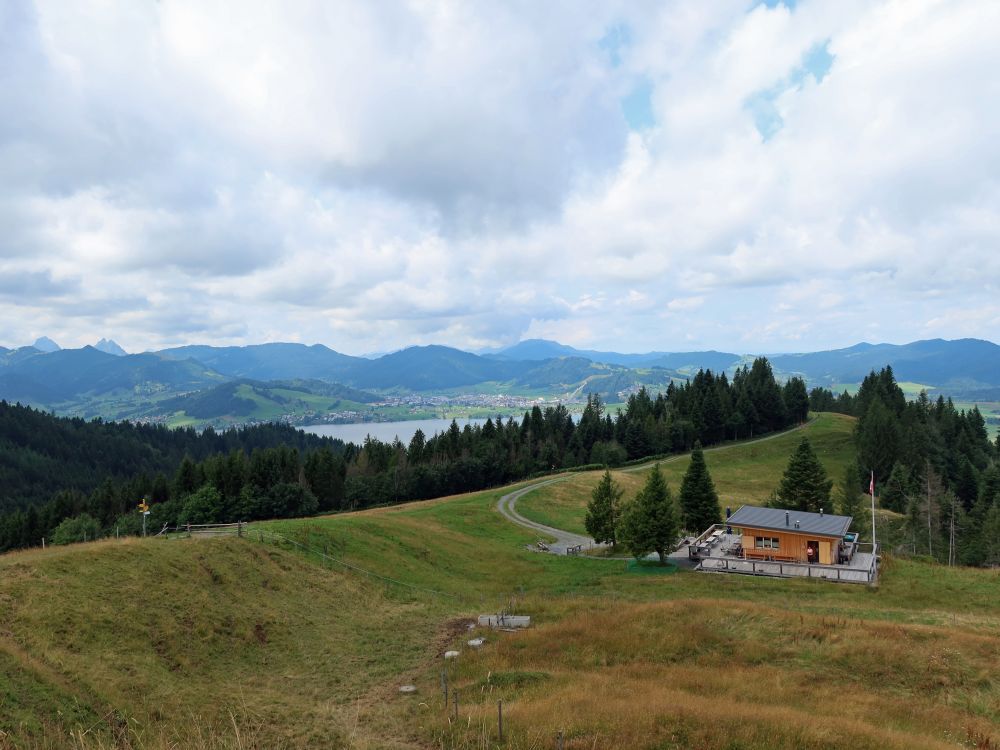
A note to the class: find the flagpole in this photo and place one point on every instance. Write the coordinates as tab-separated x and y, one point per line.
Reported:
872	488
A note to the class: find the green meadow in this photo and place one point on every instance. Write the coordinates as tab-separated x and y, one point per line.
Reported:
301	634
742	472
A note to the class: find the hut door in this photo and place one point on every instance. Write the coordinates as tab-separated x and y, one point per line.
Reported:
812	551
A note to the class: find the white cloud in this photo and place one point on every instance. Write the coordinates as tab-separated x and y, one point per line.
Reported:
375	175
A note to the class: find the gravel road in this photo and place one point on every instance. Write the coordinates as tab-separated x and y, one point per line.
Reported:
564	539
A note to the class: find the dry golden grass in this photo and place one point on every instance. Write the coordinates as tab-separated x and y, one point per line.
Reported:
704	673
229	643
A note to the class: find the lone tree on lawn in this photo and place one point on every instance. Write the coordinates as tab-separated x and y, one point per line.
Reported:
648	523
602	510
699	500
804	485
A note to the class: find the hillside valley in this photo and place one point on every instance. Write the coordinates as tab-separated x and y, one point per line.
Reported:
300	634
193	385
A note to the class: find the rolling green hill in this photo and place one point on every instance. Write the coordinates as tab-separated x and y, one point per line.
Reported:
274	361
742	473
92	383
243	643
242	401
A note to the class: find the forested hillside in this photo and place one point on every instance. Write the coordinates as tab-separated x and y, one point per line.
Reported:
931	462
98	471
41	455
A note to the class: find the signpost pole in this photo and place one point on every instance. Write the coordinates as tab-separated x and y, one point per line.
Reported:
144	510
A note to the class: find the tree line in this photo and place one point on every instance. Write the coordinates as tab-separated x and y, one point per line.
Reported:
650	521
932	463
78	472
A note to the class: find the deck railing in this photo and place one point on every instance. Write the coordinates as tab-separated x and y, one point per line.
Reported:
843	573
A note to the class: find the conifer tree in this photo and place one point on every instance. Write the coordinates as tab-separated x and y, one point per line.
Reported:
877	436
649	523
989	537
602	510
850	496
698	499
897	489
804	485
967	485
796	400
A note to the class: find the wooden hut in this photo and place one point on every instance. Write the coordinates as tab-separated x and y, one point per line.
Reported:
790	535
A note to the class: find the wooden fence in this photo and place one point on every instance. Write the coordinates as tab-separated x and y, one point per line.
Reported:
207	529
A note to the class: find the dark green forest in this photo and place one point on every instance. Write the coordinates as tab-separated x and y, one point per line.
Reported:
67	479
53	469
931	462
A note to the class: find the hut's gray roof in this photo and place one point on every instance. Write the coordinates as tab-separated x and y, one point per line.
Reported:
823	524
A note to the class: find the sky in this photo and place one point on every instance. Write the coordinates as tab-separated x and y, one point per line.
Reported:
632	176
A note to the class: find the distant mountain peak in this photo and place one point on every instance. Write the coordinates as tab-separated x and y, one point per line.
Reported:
45	344
108	346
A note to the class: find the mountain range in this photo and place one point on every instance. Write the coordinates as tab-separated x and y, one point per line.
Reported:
208	381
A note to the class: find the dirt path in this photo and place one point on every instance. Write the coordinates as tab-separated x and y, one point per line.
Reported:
564	539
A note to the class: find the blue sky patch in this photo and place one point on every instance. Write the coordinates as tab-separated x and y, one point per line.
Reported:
816	62
762	105
638	106
615	40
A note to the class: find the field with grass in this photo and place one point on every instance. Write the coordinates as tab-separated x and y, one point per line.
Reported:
252	643
742	473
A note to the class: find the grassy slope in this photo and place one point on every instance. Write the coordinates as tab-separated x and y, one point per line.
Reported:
634	661
179	633
182	634
741	473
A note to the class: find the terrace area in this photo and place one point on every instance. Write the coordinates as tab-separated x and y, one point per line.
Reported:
719	551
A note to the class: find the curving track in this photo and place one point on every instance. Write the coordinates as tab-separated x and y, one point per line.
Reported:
564	539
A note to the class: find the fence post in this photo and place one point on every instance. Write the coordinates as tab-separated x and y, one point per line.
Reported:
455	695
444	687
559	740
500	719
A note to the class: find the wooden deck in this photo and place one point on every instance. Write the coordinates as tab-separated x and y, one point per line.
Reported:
862	569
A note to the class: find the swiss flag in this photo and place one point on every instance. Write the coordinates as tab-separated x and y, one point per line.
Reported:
871	487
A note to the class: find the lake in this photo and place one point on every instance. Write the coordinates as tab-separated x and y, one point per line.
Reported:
386	431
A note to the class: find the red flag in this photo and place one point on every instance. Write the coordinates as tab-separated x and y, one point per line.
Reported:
871	487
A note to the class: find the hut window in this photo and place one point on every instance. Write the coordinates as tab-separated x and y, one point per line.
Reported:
766	542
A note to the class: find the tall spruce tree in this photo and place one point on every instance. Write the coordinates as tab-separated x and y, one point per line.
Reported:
602	510
805	485
989	537
877	437
649	523
897	490
698	499
850	496
796	400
